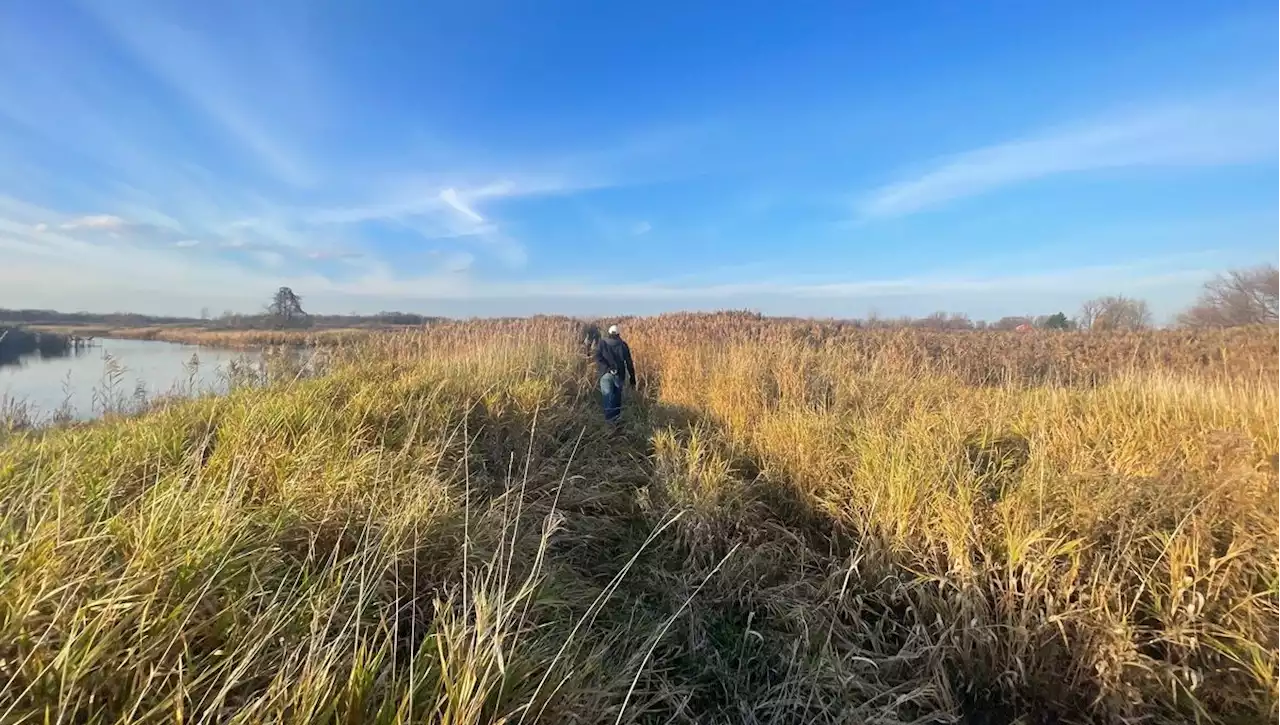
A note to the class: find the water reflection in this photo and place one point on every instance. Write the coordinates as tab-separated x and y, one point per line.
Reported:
10	358
17	344
117	376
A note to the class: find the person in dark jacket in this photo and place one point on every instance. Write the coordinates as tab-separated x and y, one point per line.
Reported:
613	364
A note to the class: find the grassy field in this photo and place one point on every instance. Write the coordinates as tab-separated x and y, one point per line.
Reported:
797	523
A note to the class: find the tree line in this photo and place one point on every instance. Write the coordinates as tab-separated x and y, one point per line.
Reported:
285	312
1238	297
1234	299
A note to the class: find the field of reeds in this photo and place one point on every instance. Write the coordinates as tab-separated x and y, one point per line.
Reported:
796	523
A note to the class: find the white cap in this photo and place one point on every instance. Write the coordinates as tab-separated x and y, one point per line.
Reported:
613	329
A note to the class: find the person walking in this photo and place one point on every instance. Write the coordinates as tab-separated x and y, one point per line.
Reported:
613	363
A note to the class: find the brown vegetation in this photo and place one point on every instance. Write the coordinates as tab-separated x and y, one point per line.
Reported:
244	338
799	523
981	357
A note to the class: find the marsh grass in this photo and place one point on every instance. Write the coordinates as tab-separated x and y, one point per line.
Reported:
441	529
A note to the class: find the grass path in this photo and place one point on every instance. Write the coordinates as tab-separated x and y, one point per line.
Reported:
443	529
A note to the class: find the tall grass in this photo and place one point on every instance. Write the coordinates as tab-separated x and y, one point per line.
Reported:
442	529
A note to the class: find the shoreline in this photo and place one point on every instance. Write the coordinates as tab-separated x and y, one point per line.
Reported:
224	338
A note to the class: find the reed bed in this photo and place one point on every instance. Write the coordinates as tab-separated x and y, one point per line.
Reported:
797	522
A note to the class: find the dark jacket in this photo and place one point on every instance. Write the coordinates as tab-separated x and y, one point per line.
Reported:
613	355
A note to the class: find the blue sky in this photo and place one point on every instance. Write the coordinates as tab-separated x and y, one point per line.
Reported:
482	158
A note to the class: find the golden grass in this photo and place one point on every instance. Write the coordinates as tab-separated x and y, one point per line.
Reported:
788	529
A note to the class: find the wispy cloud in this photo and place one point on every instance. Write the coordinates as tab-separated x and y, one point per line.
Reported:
457	262
165	279
1174	136
197	159
143	141
450	197
240	86
435	211
97	221
1083	280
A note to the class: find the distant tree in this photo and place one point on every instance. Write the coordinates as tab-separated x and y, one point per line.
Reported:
1115	313
286	310
204	313
940	321
1239	297
229	318
399	318
1010	323
1056	321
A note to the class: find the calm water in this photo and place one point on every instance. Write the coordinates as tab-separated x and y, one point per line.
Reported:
113	374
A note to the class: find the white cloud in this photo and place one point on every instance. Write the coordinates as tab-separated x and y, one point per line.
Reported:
98	221
196	227
459	262
1099	277
163	279
327	254
450	197
1166	137
431	194
157	165
111	276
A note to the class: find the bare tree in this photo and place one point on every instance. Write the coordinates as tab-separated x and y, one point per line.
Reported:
285	309
1239	297
943	321
1115	313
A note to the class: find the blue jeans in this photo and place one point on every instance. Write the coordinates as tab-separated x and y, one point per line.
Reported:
611	396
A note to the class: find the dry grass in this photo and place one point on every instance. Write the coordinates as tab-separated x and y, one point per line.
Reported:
791	528
242	338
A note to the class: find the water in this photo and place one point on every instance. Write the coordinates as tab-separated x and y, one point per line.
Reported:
116	375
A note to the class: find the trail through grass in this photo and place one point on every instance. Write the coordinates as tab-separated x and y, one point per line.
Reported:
443	529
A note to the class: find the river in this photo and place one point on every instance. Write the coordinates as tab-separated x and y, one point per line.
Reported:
113	375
